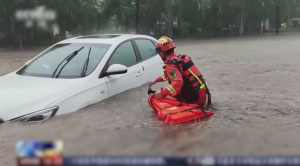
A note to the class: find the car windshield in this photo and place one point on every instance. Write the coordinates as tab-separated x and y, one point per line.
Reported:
47	62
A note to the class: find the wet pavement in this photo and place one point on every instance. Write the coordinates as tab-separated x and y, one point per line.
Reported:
254	83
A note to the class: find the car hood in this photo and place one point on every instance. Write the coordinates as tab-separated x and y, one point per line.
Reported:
21	95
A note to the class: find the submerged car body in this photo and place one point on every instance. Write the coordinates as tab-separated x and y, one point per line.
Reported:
116	63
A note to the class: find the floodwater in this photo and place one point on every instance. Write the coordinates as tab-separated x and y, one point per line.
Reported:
254	82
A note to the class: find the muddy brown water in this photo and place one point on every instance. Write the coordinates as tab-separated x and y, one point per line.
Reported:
254	83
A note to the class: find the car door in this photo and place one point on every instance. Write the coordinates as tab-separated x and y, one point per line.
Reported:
124	55
149	59
96	88
96	91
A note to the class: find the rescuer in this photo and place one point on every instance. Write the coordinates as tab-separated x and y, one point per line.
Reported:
186	83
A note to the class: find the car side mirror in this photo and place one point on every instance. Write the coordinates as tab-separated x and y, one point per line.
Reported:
116	69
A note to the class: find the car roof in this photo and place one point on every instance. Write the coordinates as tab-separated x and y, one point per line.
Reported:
104	38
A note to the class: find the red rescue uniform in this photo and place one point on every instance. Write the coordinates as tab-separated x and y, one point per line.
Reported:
186	82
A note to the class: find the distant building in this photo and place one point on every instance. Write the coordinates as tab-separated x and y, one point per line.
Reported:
267	25
55	29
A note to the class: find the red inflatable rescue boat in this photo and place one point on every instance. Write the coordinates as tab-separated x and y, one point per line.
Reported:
173	111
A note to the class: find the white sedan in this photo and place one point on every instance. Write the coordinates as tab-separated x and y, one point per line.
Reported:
75	73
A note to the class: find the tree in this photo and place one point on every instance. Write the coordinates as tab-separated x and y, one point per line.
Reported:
168	6
205	17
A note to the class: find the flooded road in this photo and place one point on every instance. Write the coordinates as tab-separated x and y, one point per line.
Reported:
254	83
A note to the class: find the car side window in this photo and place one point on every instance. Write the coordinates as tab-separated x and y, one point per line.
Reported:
124	55
146	48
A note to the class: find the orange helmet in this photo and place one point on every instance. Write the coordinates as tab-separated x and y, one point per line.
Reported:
164	43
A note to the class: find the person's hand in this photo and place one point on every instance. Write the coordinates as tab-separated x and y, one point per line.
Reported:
152	83
158	95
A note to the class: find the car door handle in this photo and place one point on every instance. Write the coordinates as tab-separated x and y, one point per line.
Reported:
103	91
139	74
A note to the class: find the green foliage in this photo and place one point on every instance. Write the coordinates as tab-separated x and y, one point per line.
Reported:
189	16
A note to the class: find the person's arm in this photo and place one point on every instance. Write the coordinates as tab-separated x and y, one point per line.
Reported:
161	78
176	81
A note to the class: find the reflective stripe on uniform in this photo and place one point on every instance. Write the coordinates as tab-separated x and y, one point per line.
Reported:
164	67
201	84
171	90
